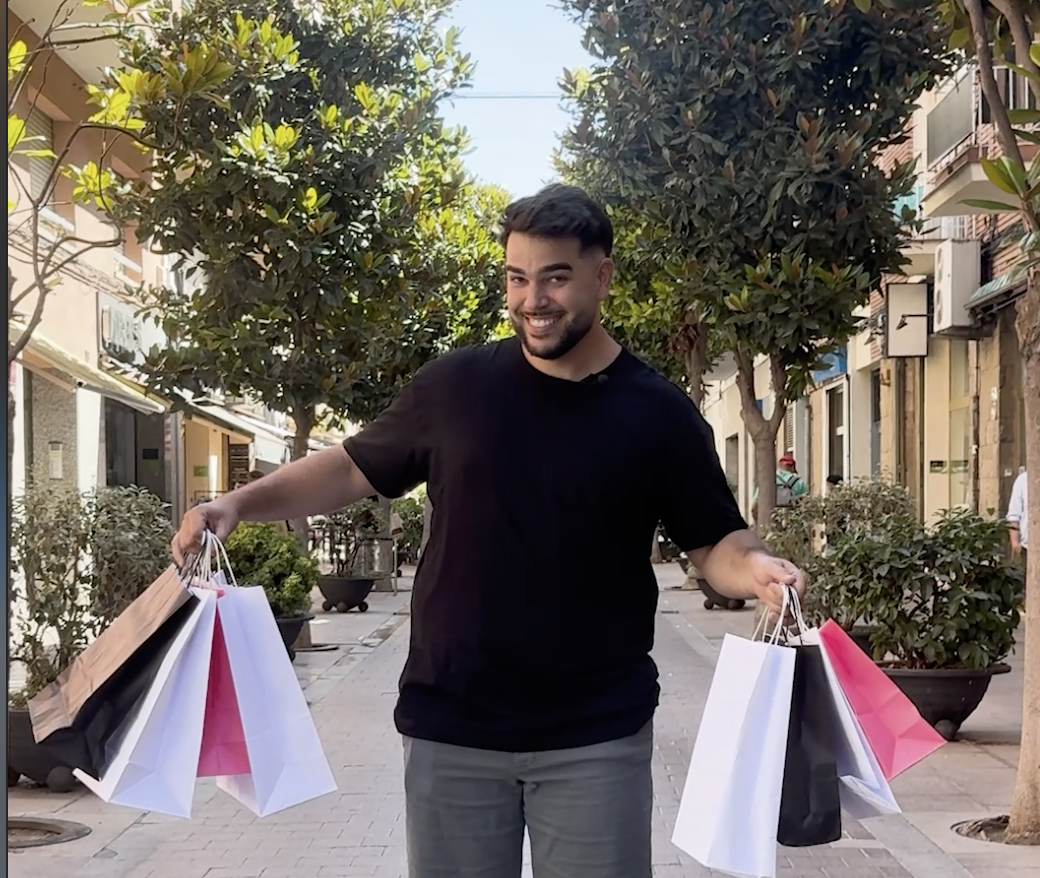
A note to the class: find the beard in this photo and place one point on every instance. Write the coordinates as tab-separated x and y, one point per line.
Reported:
568	333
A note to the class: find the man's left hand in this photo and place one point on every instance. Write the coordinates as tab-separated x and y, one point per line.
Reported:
770	576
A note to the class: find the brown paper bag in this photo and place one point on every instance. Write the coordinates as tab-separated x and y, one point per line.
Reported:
57	705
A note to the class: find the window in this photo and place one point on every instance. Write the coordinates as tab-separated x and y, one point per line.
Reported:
836	431
41	127
960	422
875	423
789	429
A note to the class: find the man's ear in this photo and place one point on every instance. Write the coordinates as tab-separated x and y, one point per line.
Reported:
605	274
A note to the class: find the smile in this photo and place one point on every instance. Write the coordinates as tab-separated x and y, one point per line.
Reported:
543	322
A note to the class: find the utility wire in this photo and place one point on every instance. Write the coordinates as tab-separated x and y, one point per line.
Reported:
476	96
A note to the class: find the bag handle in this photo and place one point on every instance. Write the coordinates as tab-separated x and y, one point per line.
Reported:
790	606
201	565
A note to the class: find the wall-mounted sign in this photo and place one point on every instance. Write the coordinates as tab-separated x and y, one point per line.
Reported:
121	332
200	471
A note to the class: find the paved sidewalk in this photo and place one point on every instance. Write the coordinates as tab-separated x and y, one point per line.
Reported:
359	831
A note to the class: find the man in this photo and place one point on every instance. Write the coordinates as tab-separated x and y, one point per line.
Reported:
528	694
789	485
1018	518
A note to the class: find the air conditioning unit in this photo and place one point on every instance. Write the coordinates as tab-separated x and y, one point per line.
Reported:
957	276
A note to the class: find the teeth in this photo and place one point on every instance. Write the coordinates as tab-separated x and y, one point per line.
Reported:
542	322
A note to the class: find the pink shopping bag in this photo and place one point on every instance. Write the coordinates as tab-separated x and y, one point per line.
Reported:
224	750
895	730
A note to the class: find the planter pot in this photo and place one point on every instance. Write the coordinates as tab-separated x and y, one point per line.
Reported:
290	630
713	599
945	697
27	758
344	593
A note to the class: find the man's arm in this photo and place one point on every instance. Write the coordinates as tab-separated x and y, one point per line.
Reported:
1016	512
314	485
728	565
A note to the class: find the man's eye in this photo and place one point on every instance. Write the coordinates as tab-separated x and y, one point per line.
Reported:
558	279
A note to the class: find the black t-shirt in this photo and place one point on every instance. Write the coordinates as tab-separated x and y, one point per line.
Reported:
534	603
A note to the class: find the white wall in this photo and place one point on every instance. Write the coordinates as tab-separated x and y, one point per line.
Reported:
90	450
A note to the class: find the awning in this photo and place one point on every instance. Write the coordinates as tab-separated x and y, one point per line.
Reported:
218	417
66	368
995	288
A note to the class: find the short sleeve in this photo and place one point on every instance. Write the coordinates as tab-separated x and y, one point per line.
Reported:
394	450
1017	505
699	507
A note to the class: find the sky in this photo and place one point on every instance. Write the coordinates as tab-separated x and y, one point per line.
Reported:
512	112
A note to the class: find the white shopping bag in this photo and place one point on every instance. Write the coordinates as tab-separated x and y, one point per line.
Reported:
730	807
864	790
288	765
155	764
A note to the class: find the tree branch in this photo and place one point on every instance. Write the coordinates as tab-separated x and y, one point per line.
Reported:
984	57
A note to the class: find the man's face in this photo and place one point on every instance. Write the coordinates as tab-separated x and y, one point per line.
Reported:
553	292
787	466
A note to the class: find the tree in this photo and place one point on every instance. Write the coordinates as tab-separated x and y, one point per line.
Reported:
1005	33
326	208
749	133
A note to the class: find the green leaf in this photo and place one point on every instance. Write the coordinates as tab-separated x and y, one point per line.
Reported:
863	5
999	176
15	132
17	55
1023	117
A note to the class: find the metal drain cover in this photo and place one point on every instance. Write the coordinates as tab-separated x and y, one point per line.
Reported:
34	832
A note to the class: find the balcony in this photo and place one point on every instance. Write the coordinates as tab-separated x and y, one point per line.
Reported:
960	134
920	249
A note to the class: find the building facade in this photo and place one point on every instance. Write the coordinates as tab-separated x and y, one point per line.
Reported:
929	393
83	416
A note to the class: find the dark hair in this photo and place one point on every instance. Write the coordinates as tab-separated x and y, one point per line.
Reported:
560	211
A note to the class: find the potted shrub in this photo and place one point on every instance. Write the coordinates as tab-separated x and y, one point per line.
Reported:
947	602
348	540
267	555
814	533
79	561
410	508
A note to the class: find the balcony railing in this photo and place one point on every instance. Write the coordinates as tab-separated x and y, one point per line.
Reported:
954	123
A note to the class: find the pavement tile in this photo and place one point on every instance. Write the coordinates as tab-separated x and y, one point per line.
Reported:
358	832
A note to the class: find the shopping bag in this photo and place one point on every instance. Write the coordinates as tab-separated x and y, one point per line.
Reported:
730	806
155	765
897	733
810	802
223	748
79	717
287	764
864	790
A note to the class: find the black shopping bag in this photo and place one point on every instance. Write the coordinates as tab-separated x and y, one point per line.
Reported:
810	808
92	738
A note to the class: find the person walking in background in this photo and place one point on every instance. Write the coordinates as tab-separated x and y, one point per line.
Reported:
789	486
1018	518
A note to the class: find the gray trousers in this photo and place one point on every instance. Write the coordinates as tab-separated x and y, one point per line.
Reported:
587	810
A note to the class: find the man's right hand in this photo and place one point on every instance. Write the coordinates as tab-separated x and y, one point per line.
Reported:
219	516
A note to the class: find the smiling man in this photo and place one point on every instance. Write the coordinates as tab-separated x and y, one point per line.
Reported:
528	695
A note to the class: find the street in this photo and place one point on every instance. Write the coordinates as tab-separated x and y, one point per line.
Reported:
360	830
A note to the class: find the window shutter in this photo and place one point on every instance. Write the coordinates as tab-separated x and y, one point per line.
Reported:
789	430
40	126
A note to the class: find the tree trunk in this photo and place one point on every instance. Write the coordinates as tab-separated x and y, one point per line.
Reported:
7	522
1024	826
303	417
763	430
696	366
